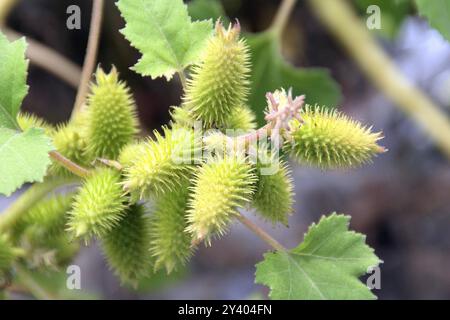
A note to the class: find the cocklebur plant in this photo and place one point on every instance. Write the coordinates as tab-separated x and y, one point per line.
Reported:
152	201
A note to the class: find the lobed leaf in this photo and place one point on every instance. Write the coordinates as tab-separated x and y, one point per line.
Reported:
23	157
165	35
325	266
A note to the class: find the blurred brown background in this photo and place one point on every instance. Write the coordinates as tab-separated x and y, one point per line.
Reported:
402	201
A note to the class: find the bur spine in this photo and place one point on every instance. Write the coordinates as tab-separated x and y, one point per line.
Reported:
219	84
170	245
47	219
27	121
71	143
131	153
111	121
242	119
222	186
273	198
126	246
162	164
99	205
328	139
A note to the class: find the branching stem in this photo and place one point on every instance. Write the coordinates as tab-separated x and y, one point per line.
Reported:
282	16
69	165
50	60
91	55
261	233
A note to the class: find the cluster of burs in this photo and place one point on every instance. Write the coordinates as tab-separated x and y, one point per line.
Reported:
149	211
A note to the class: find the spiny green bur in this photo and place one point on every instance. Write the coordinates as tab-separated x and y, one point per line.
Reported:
158	167
131	153
170	244
41	232
64	250
126	246
70	142
47	219
242	119
329	139
222	185
274	194
111	121
181	117
99	205
219	84
27	121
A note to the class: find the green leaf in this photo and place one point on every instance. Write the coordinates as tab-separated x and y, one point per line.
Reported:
165	35
207	9
13	74
325	266
438	14
271	71
23	157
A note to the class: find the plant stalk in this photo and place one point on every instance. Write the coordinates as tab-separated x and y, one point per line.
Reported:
69	165
50	60
91	55
5	8
261	233
282	17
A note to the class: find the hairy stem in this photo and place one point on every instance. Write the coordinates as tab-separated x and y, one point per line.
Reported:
27	280
282	16
5	8
261	233
69	165
50	60
339	17
91	55
25	201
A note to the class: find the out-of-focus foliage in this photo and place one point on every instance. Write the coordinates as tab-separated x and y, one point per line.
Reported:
270	71
207	9
437	13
